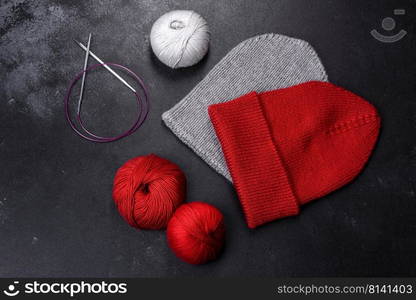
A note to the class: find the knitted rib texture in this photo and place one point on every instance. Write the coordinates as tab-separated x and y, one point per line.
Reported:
287	147
261	63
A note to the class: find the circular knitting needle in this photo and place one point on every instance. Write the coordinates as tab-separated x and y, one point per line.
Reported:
142	108
106	66
84	74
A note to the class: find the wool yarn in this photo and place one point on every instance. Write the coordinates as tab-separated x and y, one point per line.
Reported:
147	190
196	232
180	38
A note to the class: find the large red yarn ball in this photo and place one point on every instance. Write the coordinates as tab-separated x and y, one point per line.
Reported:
147	190
196	232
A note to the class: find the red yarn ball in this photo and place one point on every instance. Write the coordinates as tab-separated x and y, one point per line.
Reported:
147	190
196	232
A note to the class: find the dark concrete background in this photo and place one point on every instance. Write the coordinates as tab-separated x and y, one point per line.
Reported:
57	217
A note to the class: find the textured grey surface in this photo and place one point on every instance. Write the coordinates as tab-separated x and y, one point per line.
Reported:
261	63
57	217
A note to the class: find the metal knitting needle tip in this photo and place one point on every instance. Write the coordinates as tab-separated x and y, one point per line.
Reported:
84	74
106	66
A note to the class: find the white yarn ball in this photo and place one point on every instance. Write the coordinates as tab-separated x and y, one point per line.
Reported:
180	38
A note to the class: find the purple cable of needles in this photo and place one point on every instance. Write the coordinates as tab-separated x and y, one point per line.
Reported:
142	108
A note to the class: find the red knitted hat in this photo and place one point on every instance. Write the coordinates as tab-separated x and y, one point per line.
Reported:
287	147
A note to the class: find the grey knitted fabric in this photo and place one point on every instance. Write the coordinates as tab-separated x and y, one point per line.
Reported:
262	63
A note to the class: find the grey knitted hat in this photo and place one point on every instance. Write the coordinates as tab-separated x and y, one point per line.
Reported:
262	63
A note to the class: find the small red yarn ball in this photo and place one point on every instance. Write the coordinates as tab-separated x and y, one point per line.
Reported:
196	232
147	190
